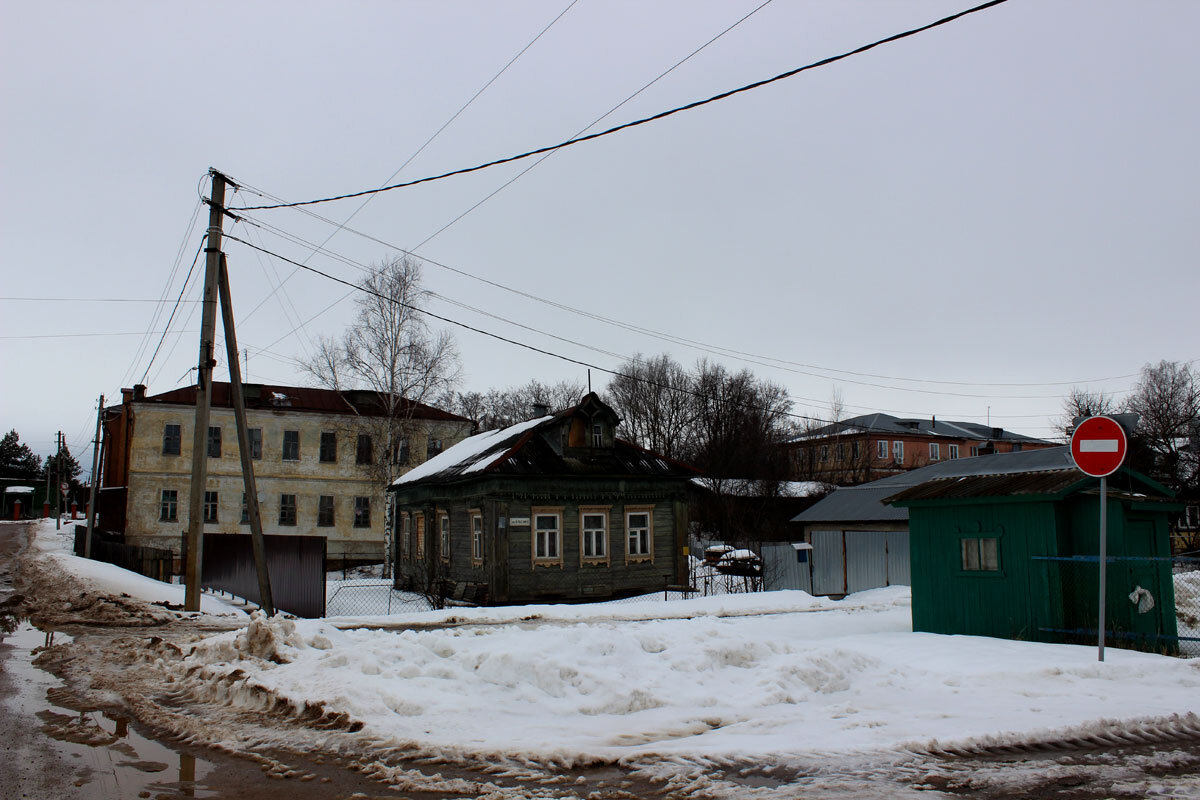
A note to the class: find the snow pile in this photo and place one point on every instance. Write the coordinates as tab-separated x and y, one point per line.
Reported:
806	677
109	579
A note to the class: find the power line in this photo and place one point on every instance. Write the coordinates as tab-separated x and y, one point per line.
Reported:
87	299
419	150
650	332
592	124
81	335
653	118
711	350
175	308
515	342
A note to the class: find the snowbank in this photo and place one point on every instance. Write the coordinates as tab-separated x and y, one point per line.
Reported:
104	578
725	676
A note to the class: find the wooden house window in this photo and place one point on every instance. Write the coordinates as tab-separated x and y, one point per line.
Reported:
547	536
639	533
405	533
476	536
980	554
444	536
597	435
419	534
593	534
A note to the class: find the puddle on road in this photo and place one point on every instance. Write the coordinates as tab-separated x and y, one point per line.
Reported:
107	758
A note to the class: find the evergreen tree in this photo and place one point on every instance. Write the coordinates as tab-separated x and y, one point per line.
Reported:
17	460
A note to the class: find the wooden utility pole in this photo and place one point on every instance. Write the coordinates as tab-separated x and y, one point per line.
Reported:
91	521
58	482
205	364
257	542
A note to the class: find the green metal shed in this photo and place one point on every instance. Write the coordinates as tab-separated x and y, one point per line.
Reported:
1016	556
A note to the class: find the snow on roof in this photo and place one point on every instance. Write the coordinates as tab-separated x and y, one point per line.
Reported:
18	490
473	454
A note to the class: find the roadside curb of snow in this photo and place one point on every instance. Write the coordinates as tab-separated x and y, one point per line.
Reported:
1103	734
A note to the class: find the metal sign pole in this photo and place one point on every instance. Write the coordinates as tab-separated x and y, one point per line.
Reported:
1103	556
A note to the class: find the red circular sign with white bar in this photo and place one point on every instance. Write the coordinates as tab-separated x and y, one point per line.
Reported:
1098	446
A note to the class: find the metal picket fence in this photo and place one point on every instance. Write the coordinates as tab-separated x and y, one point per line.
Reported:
1152	603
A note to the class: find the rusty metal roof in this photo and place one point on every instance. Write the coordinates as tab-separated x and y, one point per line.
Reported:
301	399
1040	483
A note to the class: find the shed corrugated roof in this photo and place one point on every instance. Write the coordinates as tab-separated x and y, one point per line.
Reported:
1046	482
864	503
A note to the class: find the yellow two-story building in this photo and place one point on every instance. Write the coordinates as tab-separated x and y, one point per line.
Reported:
321	461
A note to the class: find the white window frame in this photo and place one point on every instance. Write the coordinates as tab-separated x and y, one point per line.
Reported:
644	550
953	448
898	451
590	536
935	451
597	435
405	534
476	536
881	449
551	542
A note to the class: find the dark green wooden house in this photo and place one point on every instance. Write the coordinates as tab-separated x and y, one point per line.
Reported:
1016	555
555	509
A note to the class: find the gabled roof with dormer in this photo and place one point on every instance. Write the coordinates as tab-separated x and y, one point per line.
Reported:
538	448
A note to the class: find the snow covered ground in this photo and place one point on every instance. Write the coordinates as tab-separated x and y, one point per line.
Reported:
58	544
771	673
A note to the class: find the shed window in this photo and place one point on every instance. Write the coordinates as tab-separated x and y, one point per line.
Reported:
547	528
980	554
171	437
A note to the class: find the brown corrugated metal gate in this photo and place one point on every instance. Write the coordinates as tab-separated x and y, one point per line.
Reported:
296	565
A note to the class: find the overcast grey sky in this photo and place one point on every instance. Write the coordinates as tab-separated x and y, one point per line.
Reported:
1008	199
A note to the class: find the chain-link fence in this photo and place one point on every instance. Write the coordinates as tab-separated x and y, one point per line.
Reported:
1151	603
370	598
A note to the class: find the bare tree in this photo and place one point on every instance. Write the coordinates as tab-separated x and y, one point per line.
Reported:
392	360
1083	403
1167	400
499	408
653	397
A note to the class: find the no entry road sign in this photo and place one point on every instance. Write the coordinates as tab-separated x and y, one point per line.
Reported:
1098	446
